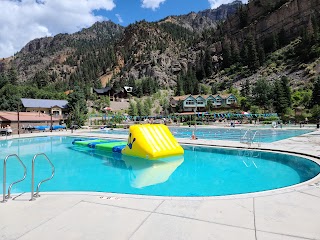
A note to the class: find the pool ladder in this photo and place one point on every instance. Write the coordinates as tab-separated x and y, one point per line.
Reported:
33	196
250	138
5	197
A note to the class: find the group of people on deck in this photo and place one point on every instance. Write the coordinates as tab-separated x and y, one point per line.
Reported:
7	130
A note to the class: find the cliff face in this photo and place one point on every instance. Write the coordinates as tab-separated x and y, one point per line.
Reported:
265	19
207	19
150	50
161	50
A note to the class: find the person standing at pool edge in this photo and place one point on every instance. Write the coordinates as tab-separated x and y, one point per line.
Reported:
9	130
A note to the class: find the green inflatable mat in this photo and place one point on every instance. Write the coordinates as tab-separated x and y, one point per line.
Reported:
109	146
85	143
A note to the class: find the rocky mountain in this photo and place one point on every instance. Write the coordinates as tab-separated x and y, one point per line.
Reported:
269	26
218	46
267	18
130	49
203	20
51	54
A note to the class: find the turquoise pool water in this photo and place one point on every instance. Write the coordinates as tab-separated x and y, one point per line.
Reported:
200	172
230	134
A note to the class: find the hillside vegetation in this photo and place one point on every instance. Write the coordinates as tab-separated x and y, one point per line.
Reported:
236	48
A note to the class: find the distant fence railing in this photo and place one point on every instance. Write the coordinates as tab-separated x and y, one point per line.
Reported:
183	115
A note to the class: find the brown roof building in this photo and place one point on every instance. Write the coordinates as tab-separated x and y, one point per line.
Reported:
26	119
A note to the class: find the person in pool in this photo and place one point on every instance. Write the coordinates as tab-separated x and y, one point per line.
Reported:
193	136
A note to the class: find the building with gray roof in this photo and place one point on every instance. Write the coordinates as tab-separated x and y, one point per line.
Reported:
58	108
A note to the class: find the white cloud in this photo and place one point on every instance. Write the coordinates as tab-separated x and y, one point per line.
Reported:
153	4
119	18
24	20
216	3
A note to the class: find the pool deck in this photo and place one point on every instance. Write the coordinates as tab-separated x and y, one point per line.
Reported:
287	214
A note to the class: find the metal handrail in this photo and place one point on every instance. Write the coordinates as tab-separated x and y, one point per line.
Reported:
257	133
34	196
254	135
244	135
5	176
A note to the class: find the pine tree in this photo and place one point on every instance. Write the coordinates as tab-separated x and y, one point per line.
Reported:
261	54
13	76
315	25
246	90
3	80
214	88
77	106
243	16
179	107
253	60
244	55
275	43
282	37
310	31
235	54
148	101
179	88
146	108
226	53
200	72
41	79
208	64
133	111
262	93
315	99
286	90
280	100
140	108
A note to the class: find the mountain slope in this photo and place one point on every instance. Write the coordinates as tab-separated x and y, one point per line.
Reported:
203	20
57	55
199	46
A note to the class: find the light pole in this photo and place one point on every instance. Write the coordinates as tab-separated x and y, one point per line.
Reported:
18	119
51	119
195	115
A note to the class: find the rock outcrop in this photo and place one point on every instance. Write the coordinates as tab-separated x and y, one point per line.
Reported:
267	18
207	19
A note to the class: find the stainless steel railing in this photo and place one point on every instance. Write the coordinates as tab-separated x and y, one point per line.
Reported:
5	197
244	138
250	137
34	196
256	136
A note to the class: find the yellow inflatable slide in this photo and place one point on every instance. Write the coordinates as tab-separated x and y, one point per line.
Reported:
151	141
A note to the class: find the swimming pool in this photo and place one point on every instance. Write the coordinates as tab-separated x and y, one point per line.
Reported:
230	134
202	171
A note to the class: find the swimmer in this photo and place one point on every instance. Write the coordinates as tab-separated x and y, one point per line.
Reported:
193	136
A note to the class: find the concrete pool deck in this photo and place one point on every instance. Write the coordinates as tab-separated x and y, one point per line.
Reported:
287	214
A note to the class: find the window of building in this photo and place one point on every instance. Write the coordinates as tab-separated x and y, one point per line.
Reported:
190	102
231	100
200	101
212	100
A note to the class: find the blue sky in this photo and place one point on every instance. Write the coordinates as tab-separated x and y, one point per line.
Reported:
131	10
25	20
